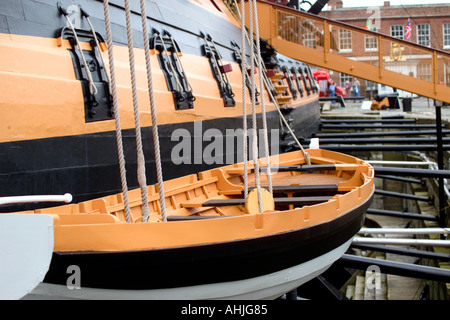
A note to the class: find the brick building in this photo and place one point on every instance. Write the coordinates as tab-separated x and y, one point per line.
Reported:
430	26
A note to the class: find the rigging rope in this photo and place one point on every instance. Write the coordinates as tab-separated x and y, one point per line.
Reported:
97	44
153	112
269	84
140	153
244	98
119	142
263	105
92	88
254	123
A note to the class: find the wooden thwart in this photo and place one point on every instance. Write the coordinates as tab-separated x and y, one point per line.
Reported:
296	201
300	168
315	189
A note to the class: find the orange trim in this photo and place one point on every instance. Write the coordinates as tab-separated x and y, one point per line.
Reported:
42	100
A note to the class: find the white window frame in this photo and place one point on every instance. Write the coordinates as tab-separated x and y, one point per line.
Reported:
444	35
309	39
419	35
348	40
343	77
402	31
371	85
373	45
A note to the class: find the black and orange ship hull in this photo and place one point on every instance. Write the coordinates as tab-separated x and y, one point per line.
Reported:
56	140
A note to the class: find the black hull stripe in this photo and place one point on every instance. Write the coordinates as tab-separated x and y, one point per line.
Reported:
87	167
204	264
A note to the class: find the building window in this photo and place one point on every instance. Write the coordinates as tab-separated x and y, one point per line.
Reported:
446	32
345	40
424	71
397	31
345	77
309	39
447	73
370	85
423	34
370	43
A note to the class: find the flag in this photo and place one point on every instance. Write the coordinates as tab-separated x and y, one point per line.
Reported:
368	25
408	30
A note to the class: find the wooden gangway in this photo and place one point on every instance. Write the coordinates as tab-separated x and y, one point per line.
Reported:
310	38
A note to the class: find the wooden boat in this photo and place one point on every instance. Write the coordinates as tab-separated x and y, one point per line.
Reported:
211	247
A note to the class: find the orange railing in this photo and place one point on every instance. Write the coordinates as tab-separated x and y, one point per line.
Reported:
356	51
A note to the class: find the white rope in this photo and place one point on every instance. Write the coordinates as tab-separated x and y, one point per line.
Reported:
121	156
153	111
179	85
97	44
92	88
269	85
179	65
305	154
263	105
140	154
244	98
254	123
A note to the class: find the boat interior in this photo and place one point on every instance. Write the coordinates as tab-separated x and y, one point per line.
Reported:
220	192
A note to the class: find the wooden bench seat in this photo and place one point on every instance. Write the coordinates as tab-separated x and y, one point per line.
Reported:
296	201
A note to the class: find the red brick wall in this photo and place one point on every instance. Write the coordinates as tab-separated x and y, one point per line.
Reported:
435	15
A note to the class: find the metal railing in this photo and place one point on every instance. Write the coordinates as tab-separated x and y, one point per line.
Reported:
356	51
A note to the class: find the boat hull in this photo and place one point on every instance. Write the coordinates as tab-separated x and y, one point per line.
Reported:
265	287
302	254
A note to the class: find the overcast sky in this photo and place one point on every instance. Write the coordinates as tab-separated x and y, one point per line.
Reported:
375	3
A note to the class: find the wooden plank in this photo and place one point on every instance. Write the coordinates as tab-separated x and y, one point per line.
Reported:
299	201
330	188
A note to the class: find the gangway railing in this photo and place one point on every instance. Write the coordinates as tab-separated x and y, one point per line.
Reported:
387	60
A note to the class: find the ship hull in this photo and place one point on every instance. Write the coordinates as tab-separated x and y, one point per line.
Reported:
52	145
86	166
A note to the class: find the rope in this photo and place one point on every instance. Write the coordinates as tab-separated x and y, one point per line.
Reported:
179	85
121	156
263	105
140	154
153	111
269	84
92	88
254	123
244	98
97	44
179	64
305	154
